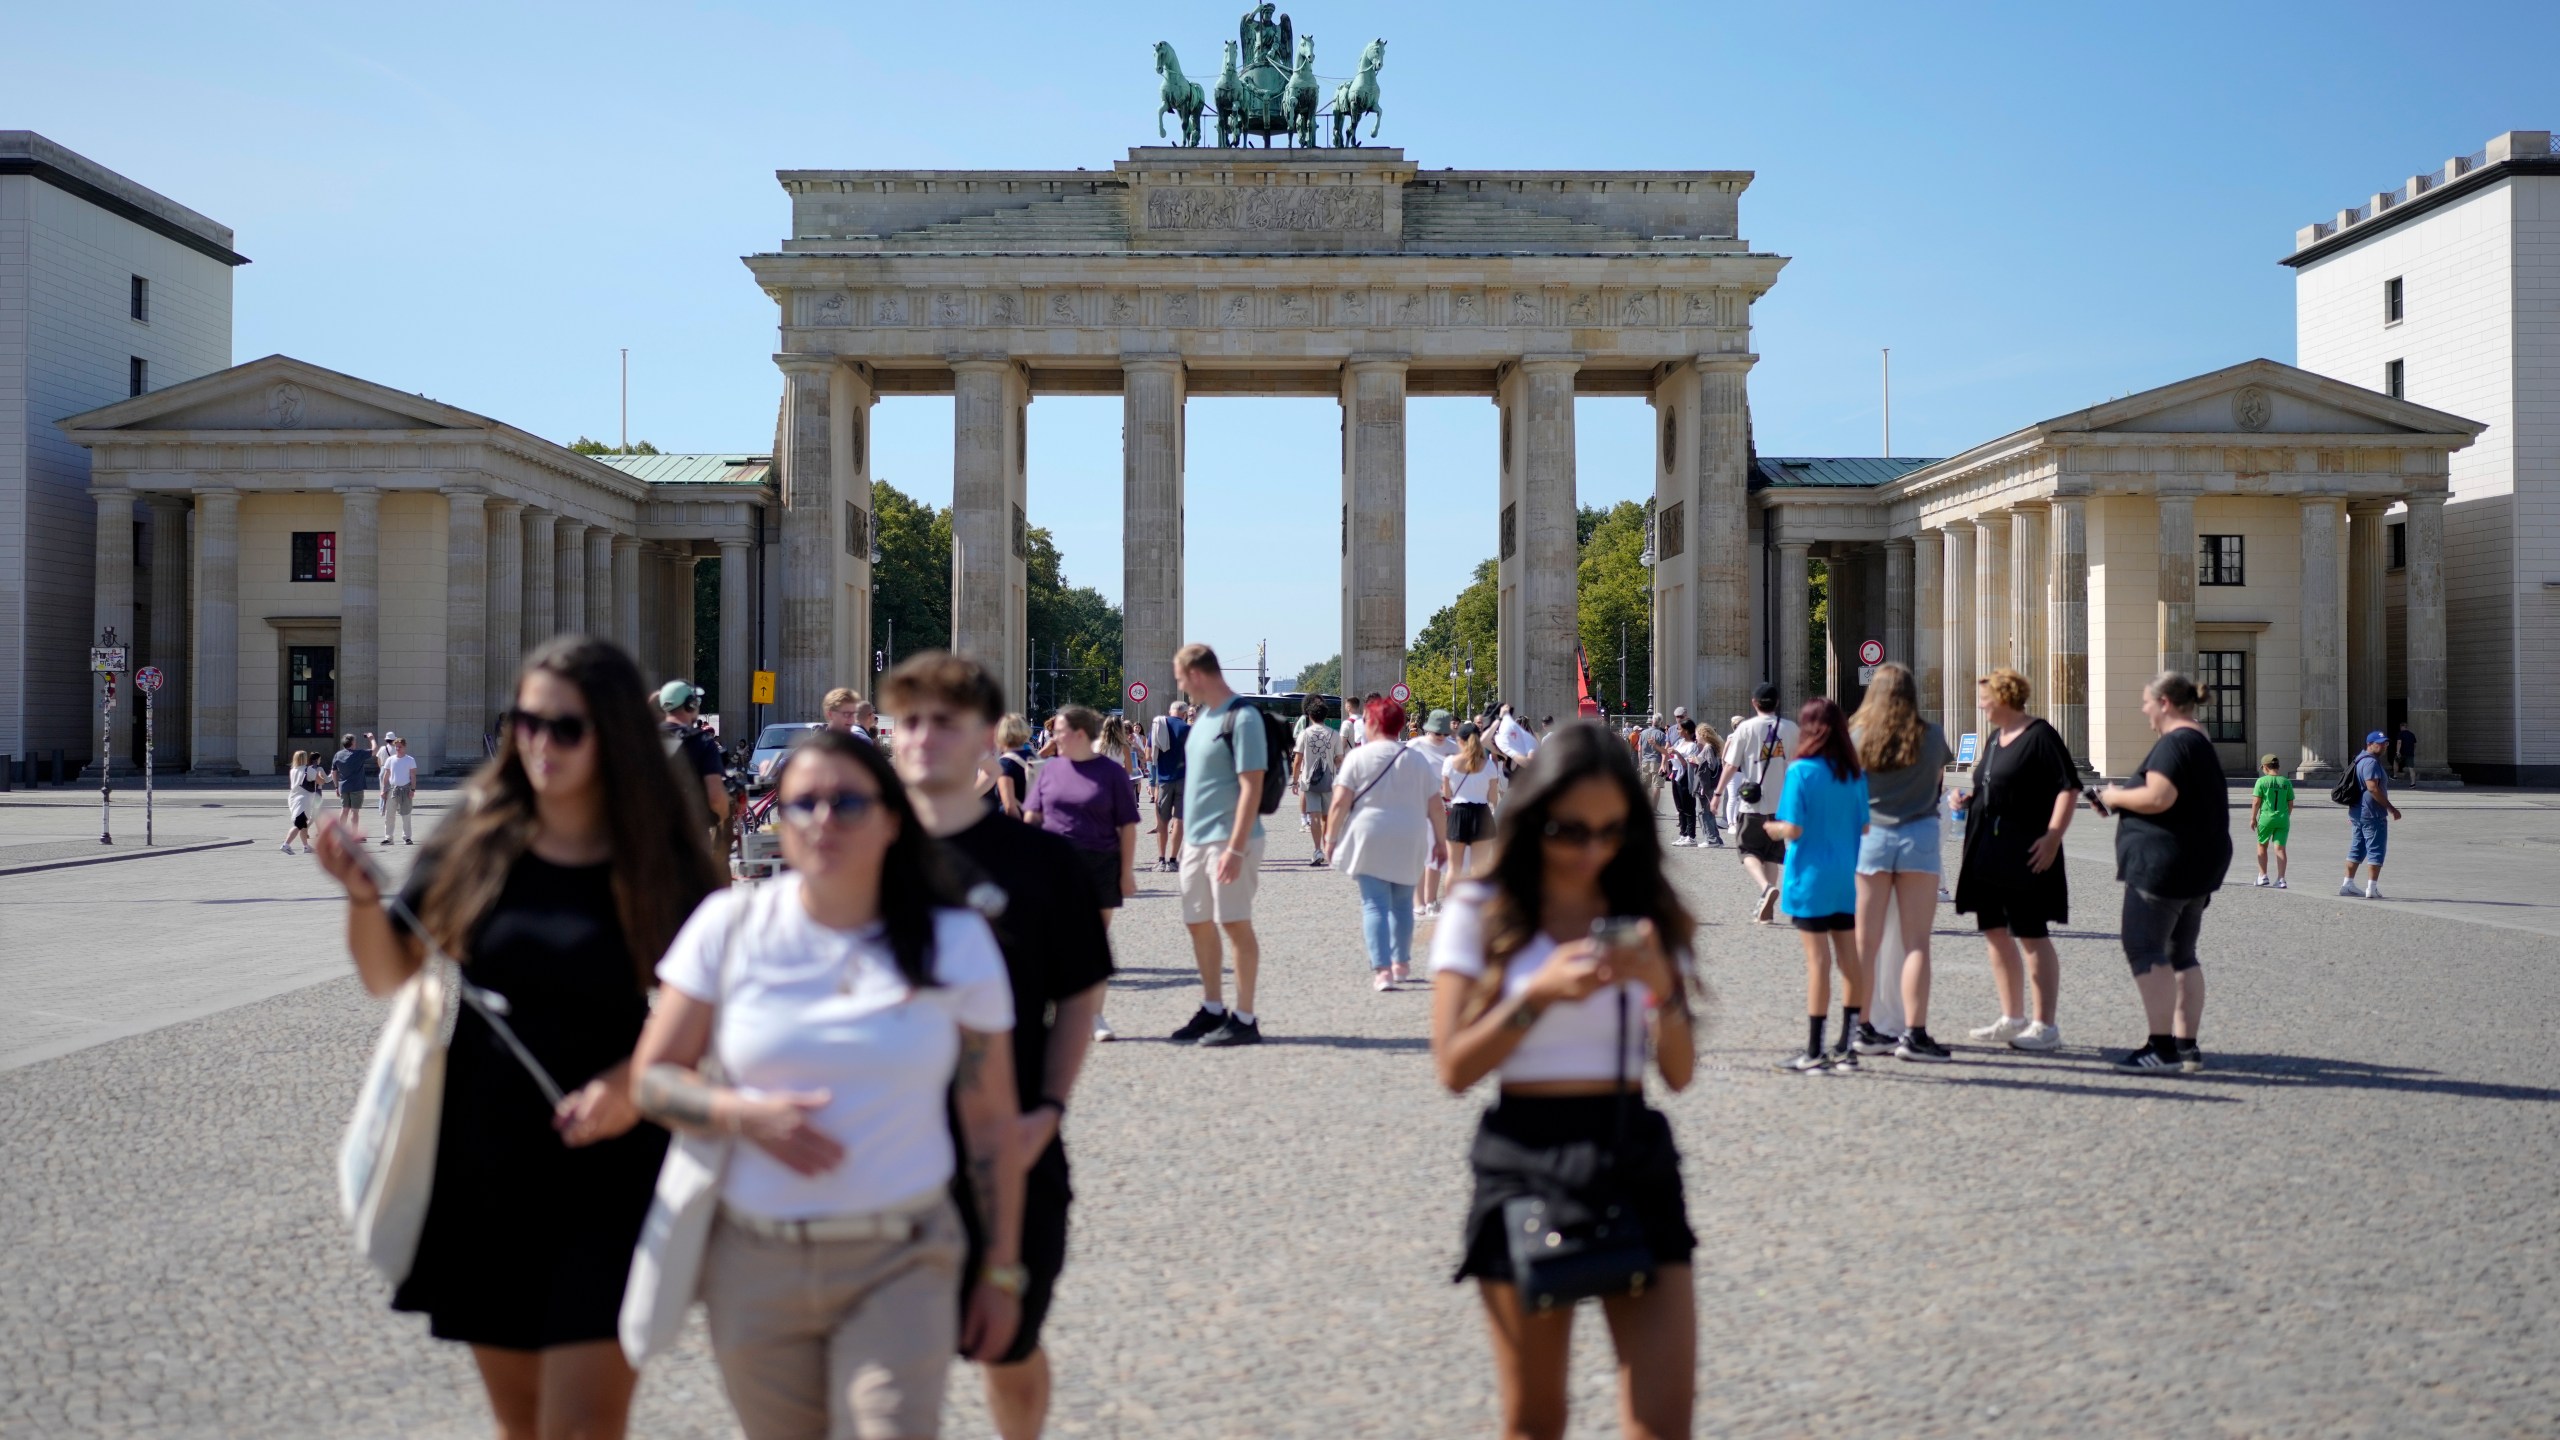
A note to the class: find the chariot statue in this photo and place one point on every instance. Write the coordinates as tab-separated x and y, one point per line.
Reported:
1268	86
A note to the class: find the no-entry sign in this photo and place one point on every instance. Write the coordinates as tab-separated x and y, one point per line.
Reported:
1400	691
1871	652
1137	692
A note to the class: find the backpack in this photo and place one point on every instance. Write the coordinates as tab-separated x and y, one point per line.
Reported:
2350	790
1275	751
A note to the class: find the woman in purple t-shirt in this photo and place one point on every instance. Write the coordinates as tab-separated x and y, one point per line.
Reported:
1089	799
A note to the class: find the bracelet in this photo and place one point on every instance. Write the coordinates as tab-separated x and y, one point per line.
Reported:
1011	1279
1051	1102
1524	1015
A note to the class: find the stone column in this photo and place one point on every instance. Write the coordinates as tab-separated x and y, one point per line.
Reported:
1991	596
1719	535
599	599
2067	656
1795	624
1898	634
216	745
1151	431
806	657
540	594
1929	621
626	595
506	601
1845	623
2177	584
680	659
113	607
1373	524
1550	545
650	651
2324	721
466	631
2027	575
2424	579
569	576
986	561
360	611
737	657
1956	618
2368	651
168	648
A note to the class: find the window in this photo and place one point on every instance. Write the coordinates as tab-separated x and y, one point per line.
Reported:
137	375
2225	676
315	555
2395	379
2399	533
310	690
141	299
2391	311
2218	560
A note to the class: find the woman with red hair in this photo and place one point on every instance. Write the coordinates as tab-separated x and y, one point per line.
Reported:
1385	829
1822	815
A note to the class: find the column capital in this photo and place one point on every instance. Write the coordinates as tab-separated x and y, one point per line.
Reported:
1801	547
467	494
1153	360
2431	499
1536	364
1904	543
806	364
374	490
1397	361
2367	509
2035	506
979	363
1960	524
1734	360
627	542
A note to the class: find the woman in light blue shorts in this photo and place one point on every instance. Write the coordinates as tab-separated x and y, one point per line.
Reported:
1905	758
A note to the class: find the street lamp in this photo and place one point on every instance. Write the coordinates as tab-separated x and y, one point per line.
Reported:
1471	677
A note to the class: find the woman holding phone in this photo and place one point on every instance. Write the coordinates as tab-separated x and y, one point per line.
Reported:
1558	972
557	891
2012	880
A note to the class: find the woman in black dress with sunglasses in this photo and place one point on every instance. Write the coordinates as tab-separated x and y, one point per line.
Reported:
557	883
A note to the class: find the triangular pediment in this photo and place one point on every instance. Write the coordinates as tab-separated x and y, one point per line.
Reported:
278	393
2261	397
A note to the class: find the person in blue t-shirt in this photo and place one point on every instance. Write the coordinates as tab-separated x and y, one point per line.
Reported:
2368	832
1167	739
1822	814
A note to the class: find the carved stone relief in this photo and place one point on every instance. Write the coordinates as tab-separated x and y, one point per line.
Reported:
834	309
1003	311
1062	307
1238	311
1637	309
1355	307
1411	308
1295	310
1582	309
949	308
1527	308
1227	207
2251	409
285	406
889	309
1124	308
1177	308
1462	307
1699	310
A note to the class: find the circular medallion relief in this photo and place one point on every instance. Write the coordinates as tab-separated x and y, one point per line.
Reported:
284	406
2251	409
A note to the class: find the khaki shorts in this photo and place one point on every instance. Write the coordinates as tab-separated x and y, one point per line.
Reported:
1204	899
849	1339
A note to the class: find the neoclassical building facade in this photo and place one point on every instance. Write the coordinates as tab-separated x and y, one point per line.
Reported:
2232	526
324	554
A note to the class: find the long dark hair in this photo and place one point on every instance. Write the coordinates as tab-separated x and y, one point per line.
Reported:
661	861
1632	884
1822	733
913	880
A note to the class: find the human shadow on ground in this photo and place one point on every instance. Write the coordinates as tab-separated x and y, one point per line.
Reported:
2246	1069
2059	1087
1405	1043
273	900
1137	977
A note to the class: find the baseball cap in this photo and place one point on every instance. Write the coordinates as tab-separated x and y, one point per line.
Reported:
676	694
1438	724
1679	710
2376	737
1768	693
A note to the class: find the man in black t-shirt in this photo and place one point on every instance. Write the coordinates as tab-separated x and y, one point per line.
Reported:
1034	894
697	754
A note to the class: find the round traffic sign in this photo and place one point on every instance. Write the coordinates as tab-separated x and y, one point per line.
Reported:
1871	652
1137	692
149	678
1400	691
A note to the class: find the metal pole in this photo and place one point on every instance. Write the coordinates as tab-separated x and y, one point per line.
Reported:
1888	402
150	742
106	757
626	398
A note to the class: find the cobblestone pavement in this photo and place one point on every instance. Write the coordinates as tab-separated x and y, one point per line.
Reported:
2342	1228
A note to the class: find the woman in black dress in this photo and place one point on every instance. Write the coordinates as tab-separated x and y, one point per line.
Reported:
571	862
2025	786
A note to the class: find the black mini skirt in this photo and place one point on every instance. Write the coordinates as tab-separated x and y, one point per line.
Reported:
1527	1143
1470	823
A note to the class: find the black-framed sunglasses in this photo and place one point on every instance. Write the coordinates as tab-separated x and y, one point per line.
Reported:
566	731
845	807
1579	835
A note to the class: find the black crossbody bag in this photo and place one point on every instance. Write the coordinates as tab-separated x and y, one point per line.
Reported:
1566	1248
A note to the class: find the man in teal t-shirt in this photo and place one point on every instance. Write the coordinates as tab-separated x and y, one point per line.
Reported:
1226	764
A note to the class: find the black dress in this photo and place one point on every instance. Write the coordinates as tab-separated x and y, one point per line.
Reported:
2011	808
527	1242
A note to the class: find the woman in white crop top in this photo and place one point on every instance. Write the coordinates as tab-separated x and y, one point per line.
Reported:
1523	989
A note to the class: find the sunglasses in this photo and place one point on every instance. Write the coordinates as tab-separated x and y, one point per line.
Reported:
567	731
845	807
1578	835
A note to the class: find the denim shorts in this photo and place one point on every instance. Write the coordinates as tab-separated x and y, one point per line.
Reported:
2369	835
1910	848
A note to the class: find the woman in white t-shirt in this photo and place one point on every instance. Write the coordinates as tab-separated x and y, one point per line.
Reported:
1558	971
841	1002
1385	829
1470	783
302	782
1436	745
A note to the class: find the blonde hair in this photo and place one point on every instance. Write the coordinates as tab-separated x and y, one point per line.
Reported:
2007	686
1887	725
301	760
1013	730
839	696
1471	753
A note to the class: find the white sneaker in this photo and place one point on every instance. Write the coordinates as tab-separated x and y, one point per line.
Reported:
2262	882
2280	882
1998	1031
286	847
1102	1029
2038	1036
2347	888
2373	889
1767	908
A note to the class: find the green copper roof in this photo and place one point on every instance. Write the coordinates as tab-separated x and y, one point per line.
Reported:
693	469
1848	471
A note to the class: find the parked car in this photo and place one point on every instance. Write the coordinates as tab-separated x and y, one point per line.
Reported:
771	742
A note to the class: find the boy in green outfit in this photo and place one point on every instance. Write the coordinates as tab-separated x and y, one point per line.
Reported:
2271	815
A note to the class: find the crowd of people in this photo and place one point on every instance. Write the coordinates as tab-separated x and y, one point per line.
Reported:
878	1048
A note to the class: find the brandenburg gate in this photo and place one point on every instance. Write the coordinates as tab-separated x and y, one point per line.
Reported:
1347	272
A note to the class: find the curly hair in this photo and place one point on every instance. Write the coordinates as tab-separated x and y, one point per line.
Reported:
2008	687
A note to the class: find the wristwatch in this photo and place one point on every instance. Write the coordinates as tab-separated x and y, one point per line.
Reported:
1008	1278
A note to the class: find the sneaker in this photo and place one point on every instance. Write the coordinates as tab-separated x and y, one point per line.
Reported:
1807	1064
2280	882
2190	1059
2372	890
2144	1061
1945	898
1999	1031
286	847
1315	860
2262	882
1401	973
1870	1041
1236	1031
2348	889
1102	1031
409	840
1202	1021
1381	981
1768	906
2038	1036
1843	1058
1921	1047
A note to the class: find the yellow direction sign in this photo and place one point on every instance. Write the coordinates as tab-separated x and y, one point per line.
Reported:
762	694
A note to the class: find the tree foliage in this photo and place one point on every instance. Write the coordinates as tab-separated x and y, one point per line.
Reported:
911	586
1615	592
584	446
1472	619
1322	678
1074	632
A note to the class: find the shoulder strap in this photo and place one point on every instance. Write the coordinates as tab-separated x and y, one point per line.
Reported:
1383	773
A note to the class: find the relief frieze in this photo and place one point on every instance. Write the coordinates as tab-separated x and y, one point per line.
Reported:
1228	207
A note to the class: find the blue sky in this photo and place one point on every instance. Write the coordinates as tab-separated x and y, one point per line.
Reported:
2035	206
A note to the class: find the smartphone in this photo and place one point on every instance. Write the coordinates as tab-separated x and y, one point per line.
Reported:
2094	802
1617	932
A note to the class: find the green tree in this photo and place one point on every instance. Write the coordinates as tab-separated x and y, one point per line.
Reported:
911	586
1615	595
1817	647
1074	633
585	446
1473	618
1322	678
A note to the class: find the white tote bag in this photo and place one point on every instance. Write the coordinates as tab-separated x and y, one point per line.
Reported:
666	1264
387	1163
